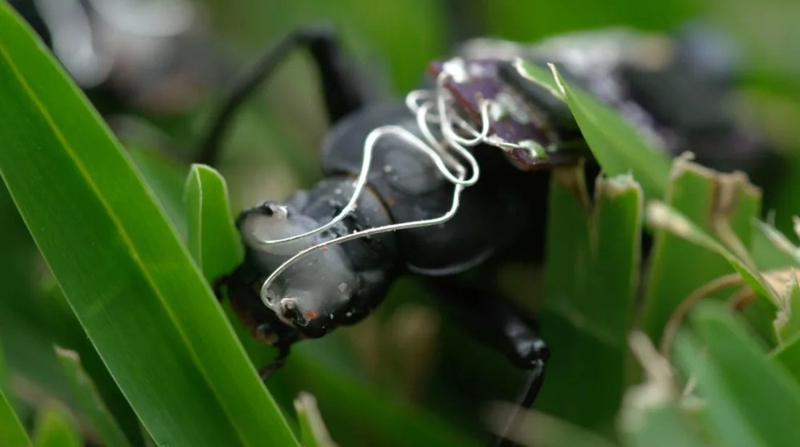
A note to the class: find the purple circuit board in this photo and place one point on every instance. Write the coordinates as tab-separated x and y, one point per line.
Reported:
519	123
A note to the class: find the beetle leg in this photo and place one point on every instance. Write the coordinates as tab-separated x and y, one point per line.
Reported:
527	396
340	84
283	352
498	323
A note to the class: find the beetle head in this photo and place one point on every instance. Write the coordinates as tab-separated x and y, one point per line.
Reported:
311	297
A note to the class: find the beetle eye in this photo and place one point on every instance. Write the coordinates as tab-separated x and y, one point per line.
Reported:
271	221
290	311
270	209
308	321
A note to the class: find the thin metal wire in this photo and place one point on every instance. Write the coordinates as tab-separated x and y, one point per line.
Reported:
439	160
376	134
448	155
414	98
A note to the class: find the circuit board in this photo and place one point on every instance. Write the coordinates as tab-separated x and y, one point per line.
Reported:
513	118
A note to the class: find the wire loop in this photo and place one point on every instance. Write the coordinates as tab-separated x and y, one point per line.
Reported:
449	154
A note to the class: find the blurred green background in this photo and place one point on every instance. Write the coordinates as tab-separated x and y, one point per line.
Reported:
410	352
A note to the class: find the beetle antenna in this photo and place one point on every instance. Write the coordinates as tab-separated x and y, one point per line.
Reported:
342	91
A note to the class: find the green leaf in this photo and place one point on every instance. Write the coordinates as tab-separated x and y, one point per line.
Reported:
749	401
651	415
783	247
5	380
12	434
312	428
213	240
133	286
90	401
147	440
615	238
617	145
666	218
591	275
55	428
352	407
166	178
788	356
554	104
349	403
787	321
30	357
683	261
767	254
594	247
663	426
47	320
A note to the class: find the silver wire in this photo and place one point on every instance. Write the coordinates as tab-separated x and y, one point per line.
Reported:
446	155
414	97
372	138
447	130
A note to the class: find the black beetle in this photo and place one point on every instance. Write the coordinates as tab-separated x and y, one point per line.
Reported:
677	91
386	167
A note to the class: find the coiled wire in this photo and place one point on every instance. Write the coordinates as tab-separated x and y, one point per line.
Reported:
450	156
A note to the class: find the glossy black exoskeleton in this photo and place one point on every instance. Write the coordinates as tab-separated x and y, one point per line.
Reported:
676	91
